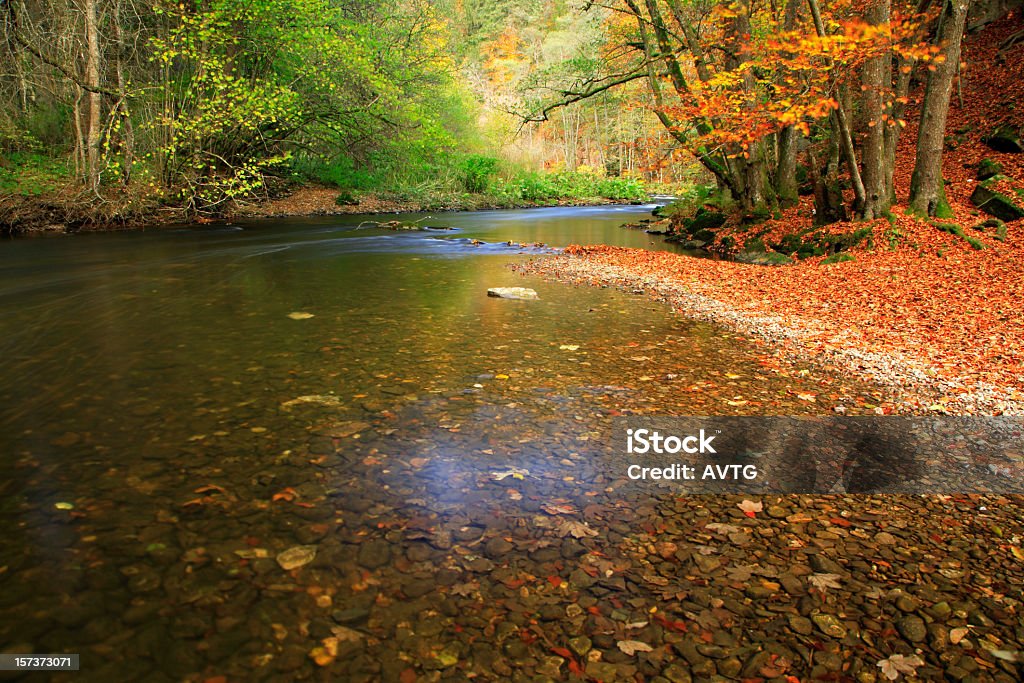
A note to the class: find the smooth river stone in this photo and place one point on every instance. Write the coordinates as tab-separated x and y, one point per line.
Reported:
523	293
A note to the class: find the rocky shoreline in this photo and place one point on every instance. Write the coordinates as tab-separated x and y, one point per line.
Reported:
916	385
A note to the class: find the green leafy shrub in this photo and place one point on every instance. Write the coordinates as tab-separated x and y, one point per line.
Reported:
477	173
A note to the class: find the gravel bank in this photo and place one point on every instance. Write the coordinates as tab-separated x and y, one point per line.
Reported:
920	389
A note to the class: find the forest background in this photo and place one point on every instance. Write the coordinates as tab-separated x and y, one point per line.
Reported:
111	110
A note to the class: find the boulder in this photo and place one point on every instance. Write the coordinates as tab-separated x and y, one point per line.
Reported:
988	169
1005	139
995	203
522	293
763	258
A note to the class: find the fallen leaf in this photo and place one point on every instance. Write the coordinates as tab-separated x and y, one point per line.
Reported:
750	508
286	494
824	581
514	472
894	665
569	347
570	527
298	315
631	647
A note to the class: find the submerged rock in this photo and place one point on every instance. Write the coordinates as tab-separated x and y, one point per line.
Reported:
296	557
522	293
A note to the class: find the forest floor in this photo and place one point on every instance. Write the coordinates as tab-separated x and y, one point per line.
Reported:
920	311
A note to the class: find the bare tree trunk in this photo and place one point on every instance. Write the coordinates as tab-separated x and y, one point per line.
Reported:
927	193
877	80
842	123
80	143
127	132
95	99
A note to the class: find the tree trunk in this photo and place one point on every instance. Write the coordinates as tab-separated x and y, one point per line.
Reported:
127	132
842	123
927	193
95	99
756	193
786	186
877	80
828	198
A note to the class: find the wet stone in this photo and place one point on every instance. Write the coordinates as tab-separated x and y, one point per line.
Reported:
467	533
820	563
550	613
729	667
906	603
912	628
497	547
829	625
418	552
418	587
801	625
352	615
374	553
676	673
580	645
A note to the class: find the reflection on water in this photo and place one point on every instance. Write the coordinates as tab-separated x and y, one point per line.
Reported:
167	428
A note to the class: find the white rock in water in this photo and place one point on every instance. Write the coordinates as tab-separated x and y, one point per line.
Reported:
296	557
512	293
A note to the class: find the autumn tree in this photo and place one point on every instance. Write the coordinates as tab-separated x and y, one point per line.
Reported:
743	86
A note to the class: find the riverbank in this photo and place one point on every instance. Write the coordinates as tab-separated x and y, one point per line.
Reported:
942	325
316	200
67	212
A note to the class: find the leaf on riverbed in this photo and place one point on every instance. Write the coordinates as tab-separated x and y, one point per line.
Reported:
299	315
570	527
895	665
514	472
750	508
631	647
287	494
724	529
824	581
553	509
807	397
569	347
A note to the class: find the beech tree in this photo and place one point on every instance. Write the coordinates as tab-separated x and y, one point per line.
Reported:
927	192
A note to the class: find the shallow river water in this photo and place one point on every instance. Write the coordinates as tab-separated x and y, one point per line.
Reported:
179	407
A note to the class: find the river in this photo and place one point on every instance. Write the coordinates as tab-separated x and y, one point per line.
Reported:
179	406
